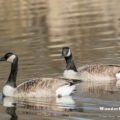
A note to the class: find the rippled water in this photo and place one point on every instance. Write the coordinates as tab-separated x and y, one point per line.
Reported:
36	31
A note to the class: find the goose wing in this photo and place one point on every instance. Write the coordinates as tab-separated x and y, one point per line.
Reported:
99	71
43	87
100	68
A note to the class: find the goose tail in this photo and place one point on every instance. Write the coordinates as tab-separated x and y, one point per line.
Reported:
66	90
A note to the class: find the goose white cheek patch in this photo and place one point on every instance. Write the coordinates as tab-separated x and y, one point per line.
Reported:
68	53
11	58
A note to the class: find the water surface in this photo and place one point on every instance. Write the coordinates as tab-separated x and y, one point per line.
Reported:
37	30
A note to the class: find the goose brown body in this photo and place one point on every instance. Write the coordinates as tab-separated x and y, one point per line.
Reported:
42	87
97	72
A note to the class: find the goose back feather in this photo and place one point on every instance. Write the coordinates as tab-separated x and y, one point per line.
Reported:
97	72
42	87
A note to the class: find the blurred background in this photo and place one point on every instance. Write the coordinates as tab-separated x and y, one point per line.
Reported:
37	30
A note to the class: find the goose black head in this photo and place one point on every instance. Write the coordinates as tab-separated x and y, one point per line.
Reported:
8	57
66	52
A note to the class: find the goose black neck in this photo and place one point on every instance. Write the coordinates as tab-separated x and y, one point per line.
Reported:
13	74
70	63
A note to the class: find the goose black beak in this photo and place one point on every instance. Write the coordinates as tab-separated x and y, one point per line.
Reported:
2	59
63	54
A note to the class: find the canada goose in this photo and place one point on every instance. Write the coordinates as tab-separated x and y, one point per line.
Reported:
89	72
39	87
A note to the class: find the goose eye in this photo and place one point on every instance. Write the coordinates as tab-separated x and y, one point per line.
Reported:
8	55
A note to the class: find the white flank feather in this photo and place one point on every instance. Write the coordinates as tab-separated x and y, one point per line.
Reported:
65	90
118	76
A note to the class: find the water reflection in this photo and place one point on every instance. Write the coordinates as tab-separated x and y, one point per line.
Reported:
106	87
11	112
46	106
118	84
37	30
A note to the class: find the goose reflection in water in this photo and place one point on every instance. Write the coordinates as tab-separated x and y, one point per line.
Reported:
118	85
11	111
47	106
107	87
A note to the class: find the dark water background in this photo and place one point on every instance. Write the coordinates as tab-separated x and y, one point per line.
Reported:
37	30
